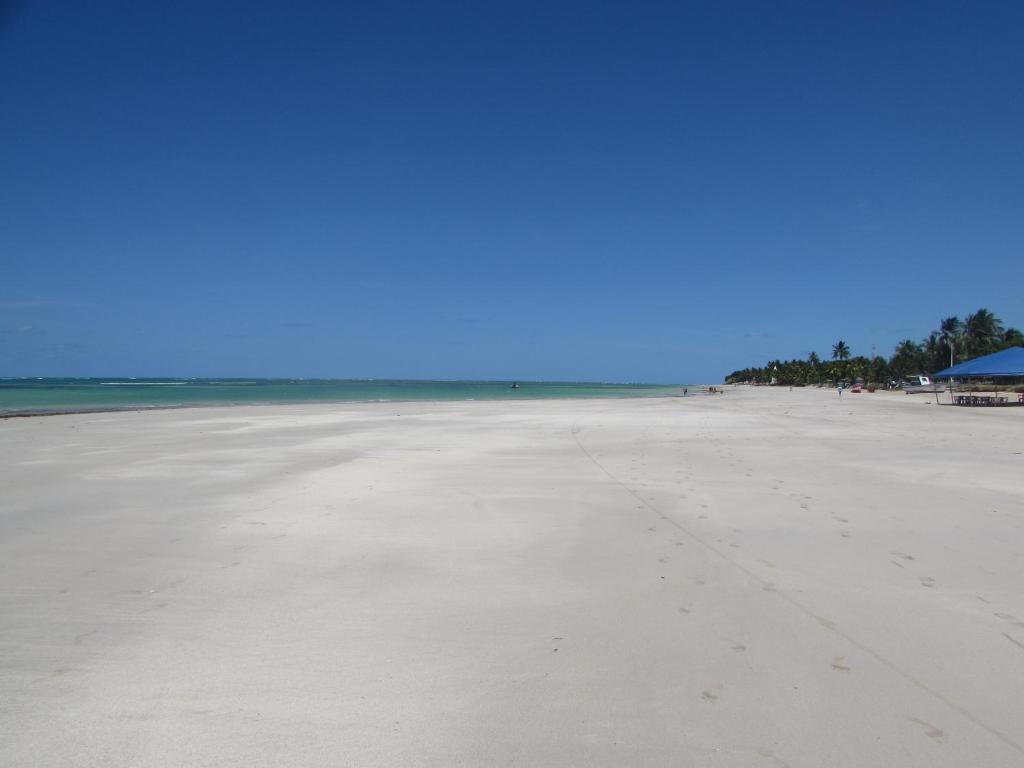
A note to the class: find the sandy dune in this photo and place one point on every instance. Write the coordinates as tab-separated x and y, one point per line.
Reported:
765	578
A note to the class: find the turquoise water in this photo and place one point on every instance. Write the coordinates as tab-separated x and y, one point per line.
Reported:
101	394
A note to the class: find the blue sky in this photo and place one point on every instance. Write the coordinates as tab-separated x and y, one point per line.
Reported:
632	192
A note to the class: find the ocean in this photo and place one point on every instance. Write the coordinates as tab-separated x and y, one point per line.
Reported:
43	395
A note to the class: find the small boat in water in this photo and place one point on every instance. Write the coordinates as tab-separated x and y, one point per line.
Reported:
514	385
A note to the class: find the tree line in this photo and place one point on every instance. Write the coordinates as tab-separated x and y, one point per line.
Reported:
954	341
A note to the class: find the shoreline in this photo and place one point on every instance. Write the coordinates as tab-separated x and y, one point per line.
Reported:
722	389
28	413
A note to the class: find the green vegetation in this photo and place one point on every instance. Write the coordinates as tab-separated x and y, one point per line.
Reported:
955	341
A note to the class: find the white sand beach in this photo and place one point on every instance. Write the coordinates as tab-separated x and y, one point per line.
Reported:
762	578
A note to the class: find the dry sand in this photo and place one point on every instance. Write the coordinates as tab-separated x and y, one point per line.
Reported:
764	578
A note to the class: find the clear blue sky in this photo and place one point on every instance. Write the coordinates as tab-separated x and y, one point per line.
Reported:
611	191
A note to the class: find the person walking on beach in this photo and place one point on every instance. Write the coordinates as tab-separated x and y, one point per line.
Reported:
839	389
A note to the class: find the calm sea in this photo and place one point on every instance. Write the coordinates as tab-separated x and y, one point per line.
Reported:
46	395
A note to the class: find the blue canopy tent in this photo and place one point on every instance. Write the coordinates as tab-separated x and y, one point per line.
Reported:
1008	364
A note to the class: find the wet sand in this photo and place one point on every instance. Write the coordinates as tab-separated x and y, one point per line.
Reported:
763	578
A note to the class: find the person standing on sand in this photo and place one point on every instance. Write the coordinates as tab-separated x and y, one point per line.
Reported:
839	389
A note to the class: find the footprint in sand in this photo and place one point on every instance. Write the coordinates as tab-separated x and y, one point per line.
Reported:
81	637
837	664
927	581
930	730
902	555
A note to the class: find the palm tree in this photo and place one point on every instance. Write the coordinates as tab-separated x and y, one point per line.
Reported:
935	352
879	370
857	367
950	331
840	351
1013	338
907	358
982	332
813	371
